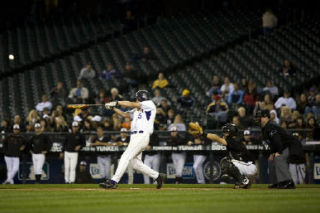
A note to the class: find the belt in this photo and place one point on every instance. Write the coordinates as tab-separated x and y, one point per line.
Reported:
137	132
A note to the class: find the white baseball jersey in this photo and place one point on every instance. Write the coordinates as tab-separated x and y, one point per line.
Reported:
143	119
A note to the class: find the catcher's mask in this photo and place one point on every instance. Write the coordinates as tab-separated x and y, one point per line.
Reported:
230	129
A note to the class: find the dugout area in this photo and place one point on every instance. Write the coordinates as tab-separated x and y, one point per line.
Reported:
145	198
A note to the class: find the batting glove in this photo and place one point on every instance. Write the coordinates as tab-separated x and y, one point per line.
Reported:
111	105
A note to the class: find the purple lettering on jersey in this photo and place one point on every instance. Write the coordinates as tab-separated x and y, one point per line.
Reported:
148	114
139	116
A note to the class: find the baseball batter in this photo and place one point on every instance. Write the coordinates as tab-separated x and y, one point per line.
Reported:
142	115
40	145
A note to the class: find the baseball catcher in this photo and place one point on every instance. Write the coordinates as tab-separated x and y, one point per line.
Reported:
238	164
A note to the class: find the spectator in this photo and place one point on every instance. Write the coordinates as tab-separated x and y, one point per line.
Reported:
87	72
107	125
303	106
5	128
129	22
87	126
170	117
269	22
157	97
165	107
60	124
312	124
45	103
273	90
102	97
312	96
115	96
83	177
17	120
245	121
178	123
110	73
33	118
236	121
274	117
58	94
126	123
116	122
161	82
294	117
131	75
250	97
266	104
226	88
215	86
218	109
79	94
185	100
315	106
285	114
146	56
243	84
286	100
235	97
44	126
287	69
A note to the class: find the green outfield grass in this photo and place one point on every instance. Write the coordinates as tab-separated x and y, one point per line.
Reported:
145	198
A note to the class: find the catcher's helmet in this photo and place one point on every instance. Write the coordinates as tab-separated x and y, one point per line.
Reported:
231	129
142	95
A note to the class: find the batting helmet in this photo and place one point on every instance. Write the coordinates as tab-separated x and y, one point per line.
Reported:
230	128
142	95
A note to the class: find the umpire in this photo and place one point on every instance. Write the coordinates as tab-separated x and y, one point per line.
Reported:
284	149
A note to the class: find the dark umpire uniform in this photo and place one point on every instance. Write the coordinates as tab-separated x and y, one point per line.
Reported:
152	158
12	147
284	149
39	145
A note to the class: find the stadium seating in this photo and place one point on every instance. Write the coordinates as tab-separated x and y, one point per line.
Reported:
173	42
258	60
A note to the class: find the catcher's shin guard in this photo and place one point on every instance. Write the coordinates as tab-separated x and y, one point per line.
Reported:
230	169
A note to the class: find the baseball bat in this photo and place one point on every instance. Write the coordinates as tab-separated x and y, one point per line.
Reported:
83	106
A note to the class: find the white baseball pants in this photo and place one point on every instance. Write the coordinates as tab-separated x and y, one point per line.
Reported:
38	161
133	153
198	161
70	165
104	162
12	167
178	160
246	169
153	161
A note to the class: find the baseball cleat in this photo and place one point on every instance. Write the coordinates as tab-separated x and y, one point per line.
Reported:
273	186
246	184
108	185
160	180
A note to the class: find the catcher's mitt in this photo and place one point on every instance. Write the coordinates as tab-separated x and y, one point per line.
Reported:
195	129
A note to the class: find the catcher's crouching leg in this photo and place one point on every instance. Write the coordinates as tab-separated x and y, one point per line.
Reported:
228	168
